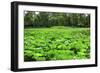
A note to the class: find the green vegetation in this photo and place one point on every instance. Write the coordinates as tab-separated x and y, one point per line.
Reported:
49	19
56	43
56	36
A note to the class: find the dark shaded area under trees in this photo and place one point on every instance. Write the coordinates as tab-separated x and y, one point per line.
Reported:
49	19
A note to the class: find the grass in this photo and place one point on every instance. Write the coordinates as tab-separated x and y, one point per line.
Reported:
56	43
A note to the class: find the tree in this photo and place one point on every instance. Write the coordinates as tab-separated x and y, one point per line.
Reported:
28	19
49	19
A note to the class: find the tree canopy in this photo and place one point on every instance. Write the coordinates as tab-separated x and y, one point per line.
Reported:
49	19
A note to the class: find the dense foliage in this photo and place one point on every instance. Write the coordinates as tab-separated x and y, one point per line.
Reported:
56	43
56	36
48	19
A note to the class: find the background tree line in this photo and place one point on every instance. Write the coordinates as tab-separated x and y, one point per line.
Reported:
49	19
